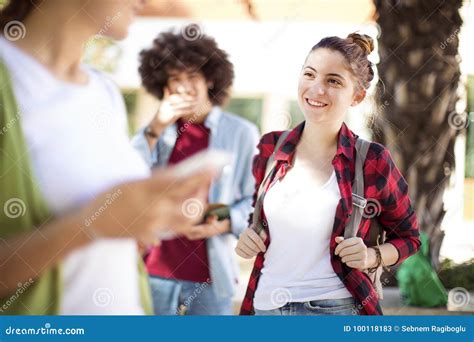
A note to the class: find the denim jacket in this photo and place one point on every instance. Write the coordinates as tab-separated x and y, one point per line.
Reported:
234	187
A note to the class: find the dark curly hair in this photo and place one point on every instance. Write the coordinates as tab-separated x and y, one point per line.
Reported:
187	49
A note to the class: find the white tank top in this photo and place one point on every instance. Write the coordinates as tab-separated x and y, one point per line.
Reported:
297	266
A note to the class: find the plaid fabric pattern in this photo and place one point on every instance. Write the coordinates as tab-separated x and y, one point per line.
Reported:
385	189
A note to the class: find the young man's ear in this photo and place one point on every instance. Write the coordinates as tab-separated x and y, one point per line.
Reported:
358	97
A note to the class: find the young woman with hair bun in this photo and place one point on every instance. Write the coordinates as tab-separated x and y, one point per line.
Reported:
304	265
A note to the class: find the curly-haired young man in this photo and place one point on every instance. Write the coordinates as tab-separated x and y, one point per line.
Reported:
192	79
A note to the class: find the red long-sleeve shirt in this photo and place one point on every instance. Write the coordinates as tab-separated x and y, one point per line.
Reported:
181	258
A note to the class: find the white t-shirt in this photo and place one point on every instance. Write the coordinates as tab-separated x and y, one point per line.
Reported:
76	135
297	266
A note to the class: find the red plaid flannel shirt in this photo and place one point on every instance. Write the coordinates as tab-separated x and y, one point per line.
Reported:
384	184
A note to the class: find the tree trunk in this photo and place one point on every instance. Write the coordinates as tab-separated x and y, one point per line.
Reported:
416	117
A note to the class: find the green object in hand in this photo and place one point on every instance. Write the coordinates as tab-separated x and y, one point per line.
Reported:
222	212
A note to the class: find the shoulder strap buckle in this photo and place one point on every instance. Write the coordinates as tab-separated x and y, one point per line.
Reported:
359	201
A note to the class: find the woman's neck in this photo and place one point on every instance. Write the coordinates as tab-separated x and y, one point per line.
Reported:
57	44
319	140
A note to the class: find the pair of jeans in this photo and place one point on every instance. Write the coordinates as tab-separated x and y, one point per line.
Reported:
170	295
344	306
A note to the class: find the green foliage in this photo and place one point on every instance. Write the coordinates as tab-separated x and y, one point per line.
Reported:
248	108
102	53
296	116
130	99
457	275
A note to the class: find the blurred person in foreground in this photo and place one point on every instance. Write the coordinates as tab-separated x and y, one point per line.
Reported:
192	76
76	196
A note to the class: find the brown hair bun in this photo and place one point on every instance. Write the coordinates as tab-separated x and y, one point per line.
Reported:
365	42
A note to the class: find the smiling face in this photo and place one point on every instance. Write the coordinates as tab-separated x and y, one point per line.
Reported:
327	87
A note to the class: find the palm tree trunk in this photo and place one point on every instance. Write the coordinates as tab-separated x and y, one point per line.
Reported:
416	117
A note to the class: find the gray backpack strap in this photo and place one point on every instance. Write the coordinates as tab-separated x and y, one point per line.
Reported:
269	171
358	200
376	233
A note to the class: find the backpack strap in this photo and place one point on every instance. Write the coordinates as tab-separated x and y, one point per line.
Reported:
358	200
376	232
269	172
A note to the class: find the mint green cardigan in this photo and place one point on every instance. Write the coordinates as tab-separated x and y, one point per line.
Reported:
23	209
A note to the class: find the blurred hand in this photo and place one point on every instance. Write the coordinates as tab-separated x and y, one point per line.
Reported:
172	108
208	229
250	243
141	209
